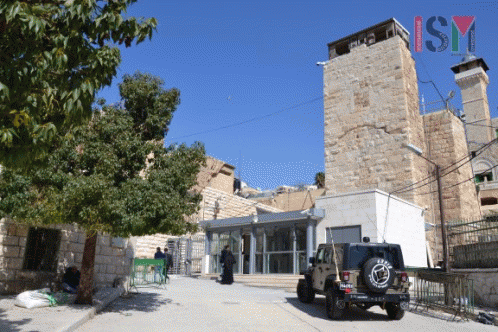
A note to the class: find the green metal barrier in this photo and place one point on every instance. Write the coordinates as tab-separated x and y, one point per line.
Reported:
148	273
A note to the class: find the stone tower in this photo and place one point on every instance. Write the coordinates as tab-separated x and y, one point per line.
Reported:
471	77
371	108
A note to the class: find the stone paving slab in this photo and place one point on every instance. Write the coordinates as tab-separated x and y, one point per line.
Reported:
49	319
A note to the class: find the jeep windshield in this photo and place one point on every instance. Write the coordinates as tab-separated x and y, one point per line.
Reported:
360	253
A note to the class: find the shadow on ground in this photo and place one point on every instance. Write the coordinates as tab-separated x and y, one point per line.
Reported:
422	311
317	309
11	325
143	301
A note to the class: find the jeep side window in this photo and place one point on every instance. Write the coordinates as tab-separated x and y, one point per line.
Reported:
320	255
328	255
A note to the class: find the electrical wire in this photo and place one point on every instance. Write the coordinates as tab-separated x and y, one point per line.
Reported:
477	153
480	125
402	190
472	178
250	120
430	79
459	183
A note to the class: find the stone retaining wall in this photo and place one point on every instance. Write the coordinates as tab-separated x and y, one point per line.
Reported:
485	285
112	260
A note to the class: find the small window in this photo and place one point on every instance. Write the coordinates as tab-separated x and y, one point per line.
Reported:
484	177
489	201
496	132
41	249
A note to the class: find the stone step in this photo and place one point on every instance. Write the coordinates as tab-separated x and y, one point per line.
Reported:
287	282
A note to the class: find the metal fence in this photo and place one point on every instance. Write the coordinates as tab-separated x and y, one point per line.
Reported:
473	244
148	273
451	292
187	253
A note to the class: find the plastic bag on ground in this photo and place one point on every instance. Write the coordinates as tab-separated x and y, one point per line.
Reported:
35	299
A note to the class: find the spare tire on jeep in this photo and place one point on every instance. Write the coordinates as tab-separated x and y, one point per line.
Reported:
378	274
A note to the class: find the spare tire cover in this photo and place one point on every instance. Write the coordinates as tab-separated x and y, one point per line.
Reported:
378	274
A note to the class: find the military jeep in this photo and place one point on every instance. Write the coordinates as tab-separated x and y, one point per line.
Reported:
366	274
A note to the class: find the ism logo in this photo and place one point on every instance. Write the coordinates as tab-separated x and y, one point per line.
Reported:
461	27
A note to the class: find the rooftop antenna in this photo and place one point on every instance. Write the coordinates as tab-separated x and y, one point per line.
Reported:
337	279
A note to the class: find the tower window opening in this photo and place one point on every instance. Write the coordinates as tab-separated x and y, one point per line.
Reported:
484	177
489	201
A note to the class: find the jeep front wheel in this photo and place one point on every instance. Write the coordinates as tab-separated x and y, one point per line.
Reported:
305	292
378	274
394	311
333	304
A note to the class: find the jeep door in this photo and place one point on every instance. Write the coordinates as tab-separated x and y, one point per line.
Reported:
323	267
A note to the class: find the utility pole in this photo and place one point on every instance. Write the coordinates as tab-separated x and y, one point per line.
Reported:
446	261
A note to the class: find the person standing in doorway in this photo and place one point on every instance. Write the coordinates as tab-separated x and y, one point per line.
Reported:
168	262
228	262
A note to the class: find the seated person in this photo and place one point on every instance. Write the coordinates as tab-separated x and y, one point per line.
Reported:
71	280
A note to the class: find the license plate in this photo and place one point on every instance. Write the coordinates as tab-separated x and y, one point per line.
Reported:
344	285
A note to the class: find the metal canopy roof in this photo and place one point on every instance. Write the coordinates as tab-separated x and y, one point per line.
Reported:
266	218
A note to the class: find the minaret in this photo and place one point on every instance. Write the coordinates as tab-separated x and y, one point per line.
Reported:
471	77
371	108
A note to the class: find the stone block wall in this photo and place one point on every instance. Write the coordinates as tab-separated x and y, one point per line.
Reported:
229	206
446	145
473	84
113	257
370	110
216	204
485	285
292	201
215	174
146	245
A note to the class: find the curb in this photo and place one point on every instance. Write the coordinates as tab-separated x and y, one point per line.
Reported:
91	312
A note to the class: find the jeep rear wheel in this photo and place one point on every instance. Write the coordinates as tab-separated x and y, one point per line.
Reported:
305	292
378	274
394	311
334	308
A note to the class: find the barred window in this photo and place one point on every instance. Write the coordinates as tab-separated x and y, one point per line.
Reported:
42	246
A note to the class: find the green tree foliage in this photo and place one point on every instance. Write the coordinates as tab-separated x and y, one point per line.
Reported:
320	179
113	175
54	57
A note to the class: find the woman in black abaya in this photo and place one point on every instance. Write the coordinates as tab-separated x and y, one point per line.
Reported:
228	262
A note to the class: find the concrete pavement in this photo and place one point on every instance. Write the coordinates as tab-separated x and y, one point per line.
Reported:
62	318
204	305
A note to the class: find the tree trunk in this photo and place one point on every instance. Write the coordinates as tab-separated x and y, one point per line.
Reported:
85	289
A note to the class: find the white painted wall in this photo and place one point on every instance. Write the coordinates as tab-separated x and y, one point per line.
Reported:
348	210
404	224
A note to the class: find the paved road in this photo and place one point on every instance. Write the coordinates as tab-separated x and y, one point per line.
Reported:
204	305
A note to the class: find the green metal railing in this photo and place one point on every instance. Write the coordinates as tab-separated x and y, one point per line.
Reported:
148	273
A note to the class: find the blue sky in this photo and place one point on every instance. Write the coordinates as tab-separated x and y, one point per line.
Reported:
235	61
